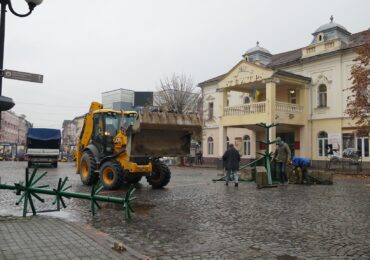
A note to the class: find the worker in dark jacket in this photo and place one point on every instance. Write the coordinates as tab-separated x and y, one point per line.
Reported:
282	156
231	159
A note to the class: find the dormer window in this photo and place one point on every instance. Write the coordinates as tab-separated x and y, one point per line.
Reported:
320	37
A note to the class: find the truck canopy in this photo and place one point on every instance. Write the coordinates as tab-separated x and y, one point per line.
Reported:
43	138
44	134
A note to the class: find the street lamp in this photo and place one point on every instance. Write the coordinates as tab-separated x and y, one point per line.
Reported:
7	103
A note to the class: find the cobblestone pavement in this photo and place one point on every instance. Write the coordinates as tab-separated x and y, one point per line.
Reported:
51	238
195	218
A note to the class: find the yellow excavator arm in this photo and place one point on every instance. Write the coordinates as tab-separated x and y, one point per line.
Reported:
86	132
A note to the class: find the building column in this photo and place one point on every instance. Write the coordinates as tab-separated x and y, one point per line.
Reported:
305	131
271	107
221	129
222	97
221	140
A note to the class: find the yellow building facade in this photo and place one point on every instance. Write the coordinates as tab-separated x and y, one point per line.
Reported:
304	91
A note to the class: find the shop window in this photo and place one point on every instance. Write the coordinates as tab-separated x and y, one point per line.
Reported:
348	141
210	145
322	142
363	146
246	145
210	110
322	96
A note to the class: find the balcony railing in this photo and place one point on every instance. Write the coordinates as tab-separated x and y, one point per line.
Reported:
253	108
288	108
260	107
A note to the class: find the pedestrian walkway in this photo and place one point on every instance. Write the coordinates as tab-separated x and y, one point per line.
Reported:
51	238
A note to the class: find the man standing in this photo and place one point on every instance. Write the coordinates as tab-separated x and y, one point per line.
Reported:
282	156
231	159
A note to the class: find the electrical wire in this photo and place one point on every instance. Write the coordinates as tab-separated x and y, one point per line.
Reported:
49	105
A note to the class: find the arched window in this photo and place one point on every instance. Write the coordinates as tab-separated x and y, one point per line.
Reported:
322	142
227	142
246	145
246	100
210	145
322	96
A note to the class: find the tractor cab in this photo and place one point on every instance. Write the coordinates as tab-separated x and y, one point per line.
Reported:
106	125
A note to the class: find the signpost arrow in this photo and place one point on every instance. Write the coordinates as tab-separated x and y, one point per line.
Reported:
25	76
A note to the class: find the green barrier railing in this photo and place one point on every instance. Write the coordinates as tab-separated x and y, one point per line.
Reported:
29	190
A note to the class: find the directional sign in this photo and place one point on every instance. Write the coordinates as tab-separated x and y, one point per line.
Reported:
25	76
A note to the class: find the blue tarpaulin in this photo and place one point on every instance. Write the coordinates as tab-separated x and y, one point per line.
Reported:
43	134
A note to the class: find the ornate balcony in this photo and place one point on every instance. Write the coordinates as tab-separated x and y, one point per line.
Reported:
250	114
252	108
288	108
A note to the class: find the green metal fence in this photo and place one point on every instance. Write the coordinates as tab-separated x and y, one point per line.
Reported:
29	190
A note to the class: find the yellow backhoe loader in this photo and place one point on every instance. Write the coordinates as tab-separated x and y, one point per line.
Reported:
123	146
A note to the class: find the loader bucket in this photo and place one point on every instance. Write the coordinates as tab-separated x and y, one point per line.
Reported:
157	134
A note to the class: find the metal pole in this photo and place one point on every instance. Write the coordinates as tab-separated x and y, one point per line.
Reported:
2	40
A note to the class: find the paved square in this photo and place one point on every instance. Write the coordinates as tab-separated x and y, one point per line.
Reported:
195	218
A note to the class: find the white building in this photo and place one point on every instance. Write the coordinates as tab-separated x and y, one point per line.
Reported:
303	90
118	99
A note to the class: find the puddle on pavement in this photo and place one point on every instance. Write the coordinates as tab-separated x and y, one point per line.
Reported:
287	257
11	212
140	208
66	215
143	209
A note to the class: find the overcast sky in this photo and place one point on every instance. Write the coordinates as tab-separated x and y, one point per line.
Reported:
86	47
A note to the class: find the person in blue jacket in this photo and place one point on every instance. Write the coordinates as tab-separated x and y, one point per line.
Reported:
303	163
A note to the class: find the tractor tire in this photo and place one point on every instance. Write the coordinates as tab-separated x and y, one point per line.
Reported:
160	176
132	178
111	175
88	168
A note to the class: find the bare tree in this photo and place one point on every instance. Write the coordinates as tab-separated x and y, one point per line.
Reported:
178	94
358	102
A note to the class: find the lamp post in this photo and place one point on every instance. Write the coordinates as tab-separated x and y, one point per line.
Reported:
31	5
7	103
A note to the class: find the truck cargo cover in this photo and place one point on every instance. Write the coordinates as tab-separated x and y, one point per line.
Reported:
43	134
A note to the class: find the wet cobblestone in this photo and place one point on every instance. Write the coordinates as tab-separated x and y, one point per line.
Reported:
195	218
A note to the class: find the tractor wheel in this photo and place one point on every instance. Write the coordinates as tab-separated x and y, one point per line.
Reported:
88	169
111	175
160	176
132	178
